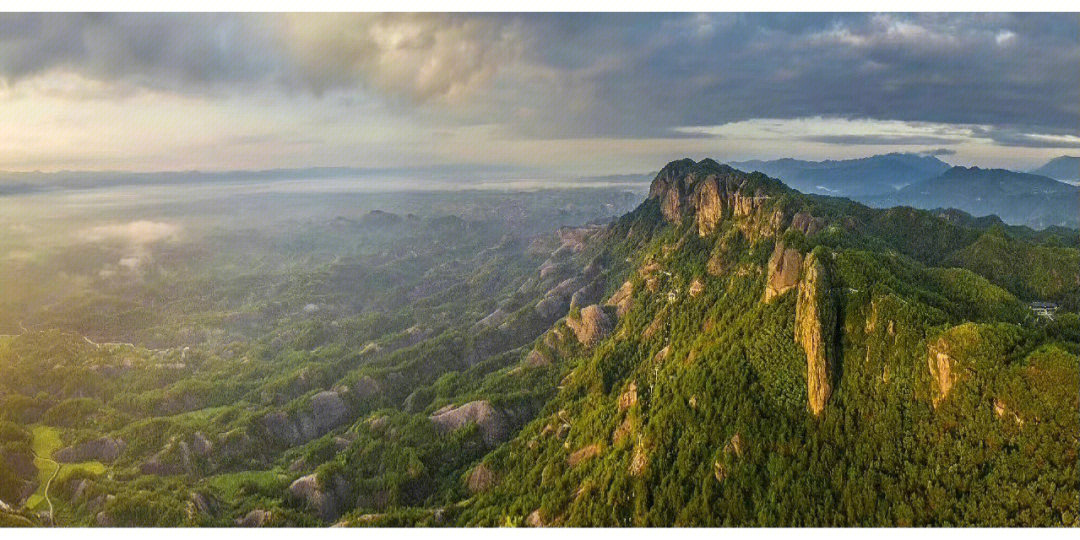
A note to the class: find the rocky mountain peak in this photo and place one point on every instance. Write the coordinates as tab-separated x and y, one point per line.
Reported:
711	192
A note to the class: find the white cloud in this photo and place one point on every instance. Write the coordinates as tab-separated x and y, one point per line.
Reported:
423	56
136	233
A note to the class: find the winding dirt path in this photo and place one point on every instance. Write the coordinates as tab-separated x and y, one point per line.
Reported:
48	484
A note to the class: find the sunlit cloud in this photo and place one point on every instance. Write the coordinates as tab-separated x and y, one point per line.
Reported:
205	91
137	233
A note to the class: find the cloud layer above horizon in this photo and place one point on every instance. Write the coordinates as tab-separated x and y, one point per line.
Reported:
568	92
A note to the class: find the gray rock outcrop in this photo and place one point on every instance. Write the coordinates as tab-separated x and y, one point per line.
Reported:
492	423
105	450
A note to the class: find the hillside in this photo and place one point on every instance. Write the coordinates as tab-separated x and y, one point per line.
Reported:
777	361
1029	199
730	352
874	175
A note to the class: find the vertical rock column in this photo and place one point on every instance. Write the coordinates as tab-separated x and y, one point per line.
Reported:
815	325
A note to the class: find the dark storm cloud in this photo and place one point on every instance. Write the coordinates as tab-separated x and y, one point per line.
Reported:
1016	70
938	152
584	75
1012	137
188	52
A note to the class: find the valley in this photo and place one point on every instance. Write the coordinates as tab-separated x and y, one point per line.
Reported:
712	348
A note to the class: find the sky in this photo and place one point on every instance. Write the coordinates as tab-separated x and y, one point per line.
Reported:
560	93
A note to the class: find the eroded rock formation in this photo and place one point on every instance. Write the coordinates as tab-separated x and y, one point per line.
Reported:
783	270
105	450
815	328
481	479
711	192
326	502
492	423
591	326
328	411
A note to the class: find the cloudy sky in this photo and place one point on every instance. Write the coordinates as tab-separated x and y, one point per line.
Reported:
569	94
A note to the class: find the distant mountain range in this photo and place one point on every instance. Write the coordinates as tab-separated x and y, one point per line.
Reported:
24	182
1066	168
874	175
1033	199
1021	198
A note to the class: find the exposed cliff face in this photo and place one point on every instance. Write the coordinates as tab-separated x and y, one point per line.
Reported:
712	192
328	411
622	299
940	363
815	326
807	224
784	267
591	326
481	479
944	358
493	424
105	450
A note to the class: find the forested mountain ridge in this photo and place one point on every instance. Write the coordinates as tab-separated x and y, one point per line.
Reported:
782	359
731	352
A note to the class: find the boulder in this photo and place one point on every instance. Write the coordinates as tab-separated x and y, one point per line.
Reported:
202	505
624	430
639	460
735	445
492	423
535	519
201	445
280	427
254	518
326	503
105	450
480	479
155	466
78	489
591	326
940	364
328	410
365	388
696	288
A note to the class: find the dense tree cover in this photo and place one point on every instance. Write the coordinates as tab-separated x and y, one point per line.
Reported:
236	325
692	411
719	433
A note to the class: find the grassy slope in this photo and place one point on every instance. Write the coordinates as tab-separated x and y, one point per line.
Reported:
46	441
